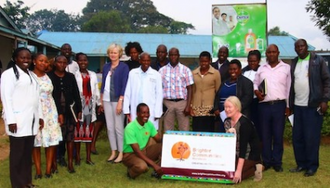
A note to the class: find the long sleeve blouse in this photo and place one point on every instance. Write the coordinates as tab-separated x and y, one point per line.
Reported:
68	86
247	144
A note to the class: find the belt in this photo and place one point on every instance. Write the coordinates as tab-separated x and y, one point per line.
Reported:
274	102
175	100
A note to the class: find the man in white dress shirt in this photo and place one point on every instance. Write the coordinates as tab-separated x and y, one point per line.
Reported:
72	66
144	85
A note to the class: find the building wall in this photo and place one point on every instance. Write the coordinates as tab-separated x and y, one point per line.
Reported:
7	47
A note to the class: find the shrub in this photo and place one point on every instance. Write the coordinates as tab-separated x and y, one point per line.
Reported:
325	131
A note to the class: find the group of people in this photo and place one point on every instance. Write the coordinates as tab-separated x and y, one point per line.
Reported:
140	99
256	100
269	93
47	106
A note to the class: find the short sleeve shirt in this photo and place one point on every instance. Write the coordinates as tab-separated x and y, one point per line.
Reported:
136	134
175	81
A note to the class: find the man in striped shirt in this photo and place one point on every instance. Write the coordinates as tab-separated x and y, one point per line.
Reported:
177	82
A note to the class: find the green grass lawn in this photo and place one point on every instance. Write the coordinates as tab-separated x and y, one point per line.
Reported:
104	174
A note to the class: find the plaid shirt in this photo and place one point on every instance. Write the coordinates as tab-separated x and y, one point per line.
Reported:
175	80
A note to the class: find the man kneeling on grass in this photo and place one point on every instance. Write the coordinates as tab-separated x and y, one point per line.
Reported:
137	154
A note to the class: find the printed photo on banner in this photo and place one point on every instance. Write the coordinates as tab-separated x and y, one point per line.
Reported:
239	27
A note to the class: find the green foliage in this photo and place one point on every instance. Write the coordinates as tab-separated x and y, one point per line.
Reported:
153	29
325	131
127	16
287	135
52	20
321	16
17	12
276	31
143	16
141	13
180	27
105	21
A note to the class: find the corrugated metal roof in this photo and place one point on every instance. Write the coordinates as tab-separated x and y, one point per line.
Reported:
11	25
96	44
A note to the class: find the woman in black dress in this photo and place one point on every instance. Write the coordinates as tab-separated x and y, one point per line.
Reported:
68	104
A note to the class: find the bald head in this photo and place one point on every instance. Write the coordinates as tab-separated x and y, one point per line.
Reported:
161	53
161	47
145	61
174	56
272	54
301	48
272	46
66	50
223	54
143	54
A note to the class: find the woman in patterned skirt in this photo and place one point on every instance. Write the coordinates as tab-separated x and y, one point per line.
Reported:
90	96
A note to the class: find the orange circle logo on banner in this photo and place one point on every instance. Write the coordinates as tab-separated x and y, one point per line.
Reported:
181	151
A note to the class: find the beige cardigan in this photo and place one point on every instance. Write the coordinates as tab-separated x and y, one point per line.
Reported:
204	91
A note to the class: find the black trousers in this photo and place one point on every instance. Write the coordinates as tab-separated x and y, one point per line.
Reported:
306	137
272	121
20	160
203	124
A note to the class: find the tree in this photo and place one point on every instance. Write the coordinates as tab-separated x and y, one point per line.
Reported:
321	16
180	27
276	31
153	29
143	15
52	20
17	12
111	21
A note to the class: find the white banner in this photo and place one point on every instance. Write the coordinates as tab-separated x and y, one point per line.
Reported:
198	153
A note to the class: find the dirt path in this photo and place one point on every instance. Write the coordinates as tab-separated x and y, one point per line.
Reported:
4	143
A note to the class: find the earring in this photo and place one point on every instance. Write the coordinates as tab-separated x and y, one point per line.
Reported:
34	64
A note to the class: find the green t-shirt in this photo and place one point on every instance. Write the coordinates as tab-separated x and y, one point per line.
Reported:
135	133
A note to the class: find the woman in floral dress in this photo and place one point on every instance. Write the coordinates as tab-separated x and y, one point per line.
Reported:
50	134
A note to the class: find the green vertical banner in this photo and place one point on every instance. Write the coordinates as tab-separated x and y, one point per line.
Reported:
240	27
